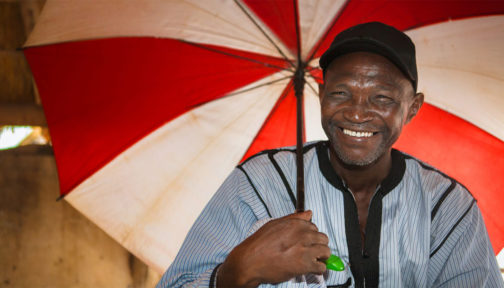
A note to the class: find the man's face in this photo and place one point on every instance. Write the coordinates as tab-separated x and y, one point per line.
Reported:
365	101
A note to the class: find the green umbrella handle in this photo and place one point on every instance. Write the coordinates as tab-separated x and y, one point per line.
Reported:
335	263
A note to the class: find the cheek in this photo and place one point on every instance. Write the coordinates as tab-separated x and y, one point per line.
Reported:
395	119
329	117
325	111
329	108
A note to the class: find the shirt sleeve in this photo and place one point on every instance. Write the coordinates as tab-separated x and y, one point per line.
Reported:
465	258
221	226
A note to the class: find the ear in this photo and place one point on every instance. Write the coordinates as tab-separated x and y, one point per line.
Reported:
418	100
321	88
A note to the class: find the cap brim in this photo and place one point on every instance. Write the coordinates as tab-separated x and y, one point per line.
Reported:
364	45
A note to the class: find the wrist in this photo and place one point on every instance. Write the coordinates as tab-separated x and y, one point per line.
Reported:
234	272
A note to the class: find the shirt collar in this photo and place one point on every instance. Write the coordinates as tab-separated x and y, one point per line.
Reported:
388	184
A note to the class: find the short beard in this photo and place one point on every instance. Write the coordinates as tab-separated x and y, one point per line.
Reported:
368	159
346	159
361	162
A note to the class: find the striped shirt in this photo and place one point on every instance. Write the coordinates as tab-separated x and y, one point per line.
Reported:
424	229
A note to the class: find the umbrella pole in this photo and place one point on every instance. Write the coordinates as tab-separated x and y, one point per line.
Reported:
299	82
333	262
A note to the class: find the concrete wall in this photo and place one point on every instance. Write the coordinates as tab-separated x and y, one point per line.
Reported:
19	99
44	242
47	243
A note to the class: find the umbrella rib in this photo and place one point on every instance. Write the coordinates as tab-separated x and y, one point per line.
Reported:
264	33
311	87
257	86
327	32
236	56
284	94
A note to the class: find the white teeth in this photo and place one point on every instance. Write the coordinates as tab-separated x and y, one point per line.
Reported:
357	134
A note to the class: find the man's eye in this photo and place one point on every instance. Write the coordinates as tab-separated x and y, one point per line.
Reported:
384	99
338	94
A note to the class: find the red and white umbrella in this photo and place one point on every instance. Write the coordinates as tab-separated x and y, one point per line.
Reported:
151	104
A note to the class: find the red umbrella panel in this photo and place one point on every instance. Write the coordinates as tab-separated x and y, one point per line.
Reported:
151	104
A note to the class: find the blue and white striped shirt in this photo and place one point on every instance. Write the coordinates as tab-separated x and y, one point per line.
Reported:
424	229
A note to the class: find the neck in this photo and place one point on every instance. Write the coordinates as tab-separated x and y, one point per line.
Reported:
362	178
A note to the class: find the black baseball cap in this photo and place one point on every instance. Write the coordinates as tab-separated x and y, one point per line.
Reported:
379	38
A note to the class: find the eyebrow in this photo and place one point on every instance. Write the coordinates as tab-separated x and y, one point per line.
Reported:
386	87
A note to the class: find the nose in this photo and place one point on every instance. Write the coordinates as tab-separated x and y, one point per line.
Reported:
357	112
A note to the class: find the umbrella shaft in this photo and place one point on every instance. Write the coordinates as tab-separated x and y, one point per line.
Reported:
299	83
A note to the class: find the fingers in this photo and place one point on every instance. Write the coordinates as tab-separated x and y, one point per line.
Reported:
311	236
320	238
315	259
305	215
323	252
319	267
314	238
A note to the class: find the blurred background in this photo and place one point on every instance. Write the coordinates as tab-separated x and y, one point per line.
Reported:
44	242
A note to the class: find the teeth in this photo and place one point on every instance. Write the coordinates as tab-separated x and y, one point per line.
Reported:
357	134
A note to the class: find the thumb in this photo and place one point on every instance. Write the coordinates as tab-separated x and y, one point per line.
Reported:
305	215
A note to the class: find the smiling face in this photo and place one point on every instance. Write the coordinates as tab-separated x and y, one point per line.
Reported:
365	101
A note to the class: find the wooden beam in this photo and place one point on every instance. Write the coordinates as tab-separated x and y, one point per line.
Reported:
16	84
22	114
30	11
11	22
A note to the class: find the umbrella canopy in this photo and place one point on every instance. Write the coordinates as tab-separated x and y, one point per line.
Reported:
151	104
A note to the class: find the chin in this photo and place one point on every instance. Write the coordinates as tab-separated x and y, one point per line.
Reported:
363	159
356	161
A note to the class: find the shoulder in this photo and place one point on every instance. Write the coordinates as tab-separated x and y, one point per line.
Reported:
267	158
272	175
451	202
439	186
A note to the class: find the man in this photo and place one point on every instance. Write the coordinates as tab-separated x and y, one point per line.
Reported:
394	221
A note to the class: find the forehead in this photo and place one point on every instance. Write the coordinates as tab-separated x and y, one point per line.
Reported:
365	66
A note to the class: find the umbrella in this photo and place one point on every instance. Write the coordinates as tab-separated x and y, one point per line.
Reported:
150	104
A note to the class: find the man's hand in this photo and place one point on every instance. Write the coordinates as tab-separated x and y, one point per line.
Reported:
280	250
